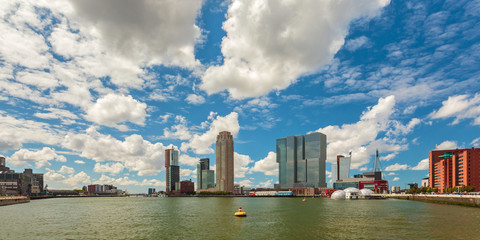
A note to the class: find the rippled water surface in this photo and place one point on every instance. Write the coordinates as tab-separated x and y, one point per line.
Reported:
212	218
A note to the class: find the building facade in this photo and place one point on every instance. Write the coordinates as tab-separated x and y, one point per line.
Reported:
187	186
341	169
454	168
205	176
301	160
26	183
225	162
172	169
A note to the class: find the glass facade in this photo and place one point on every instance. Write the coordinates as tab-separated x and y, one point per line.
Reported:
291	160
344	185
313	173
302	160
344	167
301	171
282	160
208	179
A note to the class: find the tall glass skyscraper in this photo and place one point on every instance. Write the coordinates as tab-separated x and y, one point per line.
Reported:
172	169
301	160
224	162
205	176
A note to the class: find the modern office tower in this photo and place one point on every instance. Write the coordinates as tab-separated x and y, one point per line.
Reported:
341	169
151	191
172	169
454	168
208	179
204	164
205	176
224	161
302	160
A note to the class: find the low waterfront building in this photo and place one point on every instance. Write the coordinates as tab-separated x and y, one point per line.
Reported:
368	180
395	189
26	183
98	189
424	182
454	168
187	186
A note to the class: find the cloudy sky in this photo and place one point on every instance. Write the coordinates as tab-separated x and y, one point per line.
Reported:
95	91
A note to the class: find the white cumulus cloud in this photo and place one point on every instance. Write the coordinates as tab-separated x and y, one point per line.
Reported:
112	109
365	136
241	164
422	165
201	143
195	99
66	170
148	32
269	44
445	145
460	107
135	153
268	165
41	158
112	168
396	167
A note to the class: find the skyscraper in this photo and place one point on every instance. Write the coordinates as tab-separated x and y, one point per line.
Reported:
172	169
205	176
224	161
341	169
302	160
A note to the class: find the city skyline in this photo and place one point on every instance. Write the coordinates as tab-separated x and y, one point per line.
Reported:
92	93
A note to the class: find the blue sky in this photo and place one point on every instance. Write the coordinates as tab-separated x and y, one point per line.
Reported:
95	91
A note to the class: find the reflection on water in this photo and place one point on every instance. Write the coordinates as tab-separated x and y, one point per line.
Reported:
212	218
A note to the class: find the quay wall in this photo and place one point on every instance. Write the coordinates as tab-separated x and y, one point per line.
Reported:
13	200
464	200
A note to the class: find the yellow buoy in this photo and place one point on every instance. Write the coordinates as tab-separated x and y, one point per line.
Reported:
240	213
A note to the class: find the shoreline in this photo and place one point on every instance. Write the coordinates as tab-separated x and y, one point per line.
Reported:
459	200
4	201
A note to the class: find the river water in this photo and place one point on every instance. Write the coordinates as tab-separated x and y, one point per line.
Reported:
212	218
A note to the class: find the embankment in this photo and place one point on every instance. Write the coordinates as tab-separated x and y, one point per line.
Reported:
13	200
464	200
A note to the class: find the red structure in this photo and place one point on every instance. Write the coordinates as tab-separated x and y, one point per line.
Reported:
187	186
91	188
454	168
377	186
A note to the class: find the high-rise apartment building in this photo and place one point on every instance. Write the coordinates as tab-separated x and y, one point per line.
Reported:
301	160
172	169
224	161
454	168
205	176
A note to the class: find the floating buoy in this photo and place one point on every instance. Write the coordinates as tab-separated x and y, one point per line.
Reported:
240	213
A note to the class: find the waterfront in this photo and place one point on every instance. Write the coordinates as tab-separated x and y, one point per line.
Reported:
212	218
